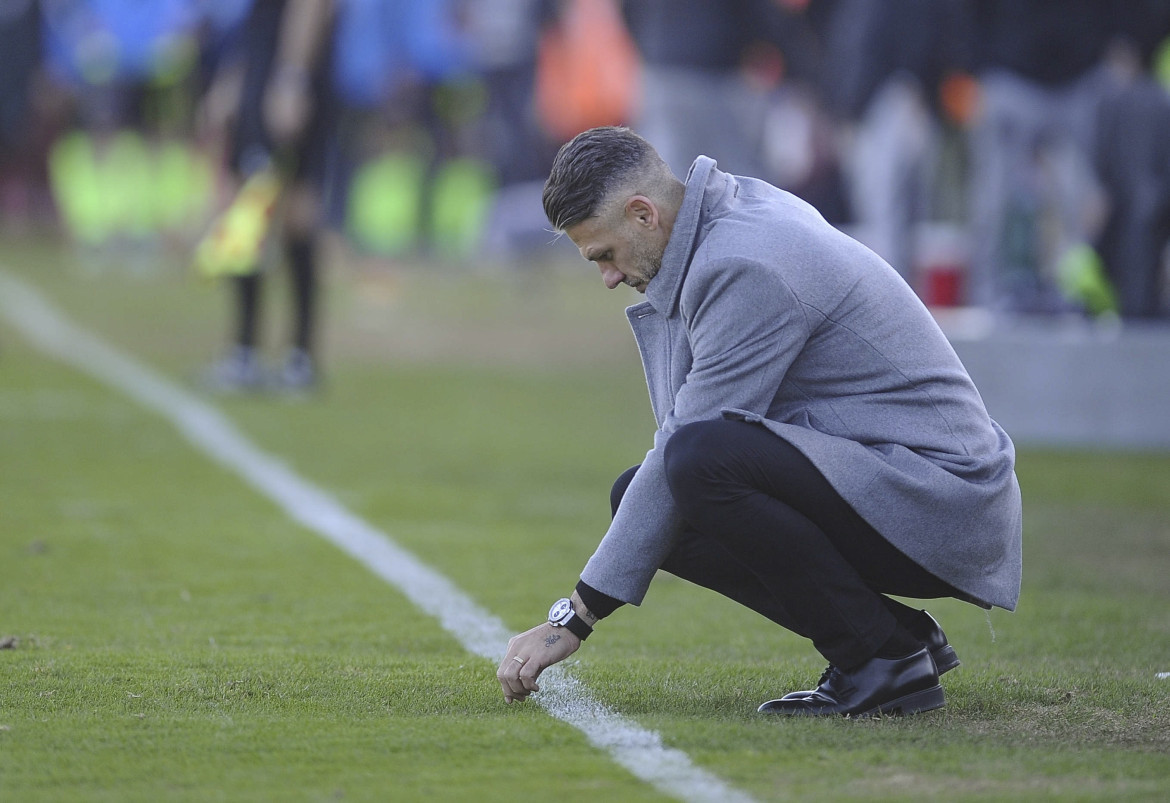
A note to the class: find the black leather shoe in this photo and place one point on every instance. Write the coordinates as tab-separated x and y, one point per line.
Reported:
924	628
894	686
927	630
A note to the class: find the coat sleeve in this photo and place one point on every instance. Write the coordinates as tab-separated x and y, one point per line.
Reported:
745	328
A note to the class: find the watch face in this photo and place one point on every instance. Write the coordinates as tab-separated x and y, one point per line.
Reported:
560	612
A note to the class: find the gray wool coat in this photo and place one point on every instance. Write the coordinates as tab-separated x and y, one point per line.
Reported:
764	312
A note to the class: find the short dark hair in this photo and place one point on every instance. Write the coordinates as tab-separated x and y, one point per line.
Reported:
588	168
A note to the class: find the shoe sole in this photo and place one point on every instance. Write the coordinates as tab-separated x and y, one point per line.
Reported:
916	703
945	659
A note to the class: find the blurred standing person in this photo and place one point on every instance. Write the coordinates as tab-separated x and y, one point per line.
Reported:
127	68
505	35
885	65
274	99
443	97
1041	73
696	96
1132	158
410	97
20	61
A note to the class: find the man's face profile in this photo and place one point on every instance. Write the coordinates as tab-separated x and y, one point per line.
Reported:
627	248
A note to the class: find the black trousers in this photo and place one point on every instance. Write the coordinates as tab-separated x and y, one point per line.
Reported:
767	530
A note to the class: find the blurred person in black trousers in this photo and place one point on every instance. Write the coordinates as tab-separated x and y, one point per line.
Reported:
275	98
885	64
505	35
20	61
1132	158
1042	73
697	96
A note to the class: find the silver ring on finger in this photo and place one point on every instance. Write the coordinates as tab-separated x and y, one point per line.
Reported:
518	660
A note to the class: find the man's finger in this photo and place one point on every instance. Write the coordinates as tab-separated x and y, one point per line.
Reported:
515	692
514	687
527	678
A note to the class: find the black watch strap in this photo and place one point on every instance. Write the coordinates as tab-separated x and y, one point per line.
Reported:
578	627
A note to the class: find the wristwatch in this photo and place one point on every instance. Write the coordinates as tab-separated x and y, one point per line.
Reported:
561	614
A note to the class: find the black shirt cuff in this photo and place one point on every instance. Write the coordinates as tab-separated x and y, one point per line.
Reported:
600	605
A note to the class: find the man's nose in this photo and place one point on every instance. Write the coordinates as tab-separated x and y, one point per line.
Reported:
611	276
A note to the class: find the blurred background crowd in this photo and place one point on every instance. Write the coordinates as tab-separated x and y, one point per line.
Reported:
1012	155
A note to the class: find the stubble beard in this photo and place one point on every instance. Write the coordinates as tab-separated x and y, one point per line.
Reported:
648	261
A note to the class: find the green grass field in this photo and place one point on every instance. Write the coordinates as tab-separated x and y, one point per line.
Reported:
172	635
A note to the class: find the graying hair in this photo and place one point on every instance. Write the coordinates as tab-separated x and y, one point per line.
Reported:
590	167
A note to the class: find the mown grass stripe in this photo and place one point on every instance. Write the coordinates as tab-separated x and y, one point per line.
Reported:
637	749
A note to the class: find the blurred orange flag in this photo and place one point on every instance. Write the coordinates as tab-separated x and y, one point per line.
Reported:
587	70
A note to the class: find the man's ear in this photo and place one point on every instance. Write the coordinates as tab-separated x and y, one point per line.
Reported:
642	211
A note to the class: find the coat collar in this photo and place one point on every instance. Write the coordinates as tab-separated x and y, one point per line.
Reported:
664	289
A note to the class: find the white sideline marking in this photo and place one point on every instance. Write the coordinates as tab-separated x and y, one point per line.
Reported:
637	749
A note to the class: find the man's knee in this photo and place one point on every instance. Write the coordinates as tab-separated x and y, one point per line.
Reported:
689	454
618	491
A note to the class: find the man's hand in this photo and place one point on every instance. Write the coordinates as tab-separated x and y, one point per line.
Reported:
288	103
529	654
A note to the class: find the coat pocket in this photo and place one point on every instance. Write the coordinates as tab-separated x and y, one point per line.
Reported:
802	418
733	414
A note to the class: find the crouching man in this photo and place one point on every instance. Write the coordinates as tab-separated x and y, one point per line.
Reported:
819	445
